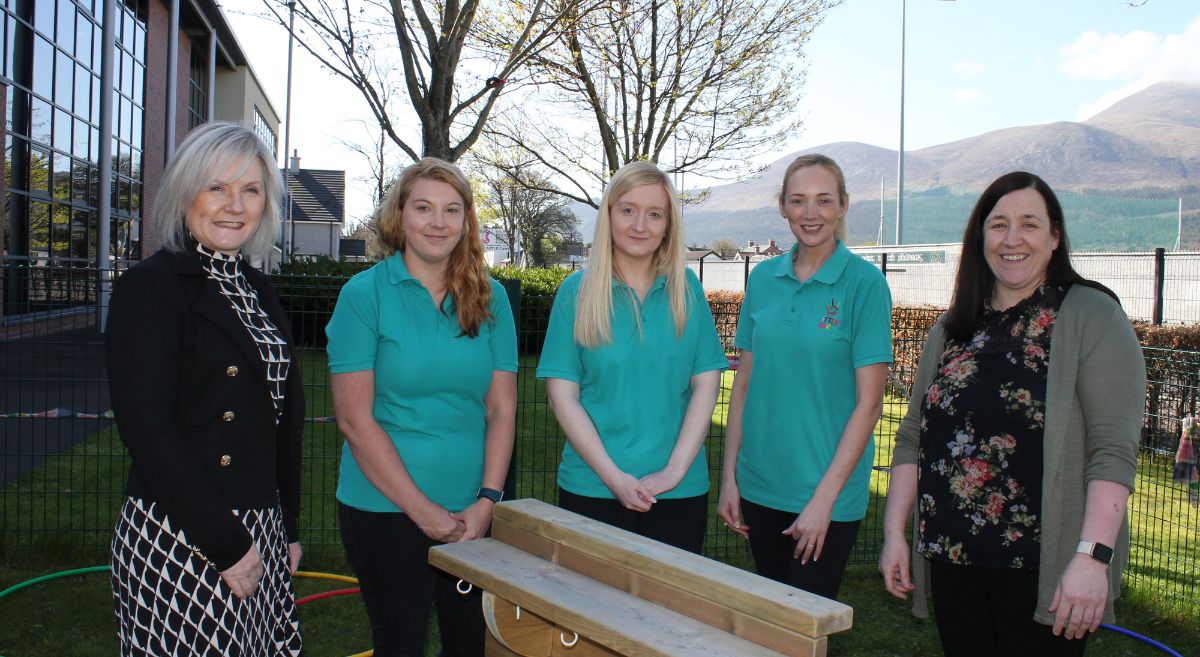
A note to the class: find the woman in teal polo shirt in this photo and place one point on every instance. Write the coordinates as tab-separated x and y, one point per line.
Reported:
815	340
423	355
632	365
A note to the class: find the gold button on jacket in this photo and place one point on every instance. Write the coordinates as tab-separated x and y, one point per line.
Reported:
226	460
228	416
232	370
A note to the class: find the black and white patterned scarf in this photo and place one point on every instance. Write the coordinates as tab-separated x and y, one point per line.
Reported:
226	271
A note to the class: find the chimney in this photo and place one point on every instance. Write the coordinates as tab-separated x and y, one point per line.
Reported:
294	162
749	244
770	242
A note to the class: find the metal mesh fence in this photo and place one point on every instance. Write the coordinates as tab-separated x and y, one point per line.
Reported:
63	468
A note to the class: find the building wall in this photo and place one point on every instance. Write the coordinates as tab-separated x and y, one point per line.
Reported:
155	130
317	238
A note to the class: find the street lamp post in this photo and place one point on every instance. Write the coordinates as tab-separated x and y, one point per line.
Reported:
900	155
289	235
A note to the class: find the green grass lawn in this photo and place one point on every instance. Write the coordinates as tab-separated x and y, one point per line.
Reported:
59	516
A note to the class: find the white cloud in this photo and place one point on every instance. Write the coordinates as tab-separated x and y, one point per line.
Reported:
1137	55
967	95
1136	59
968	67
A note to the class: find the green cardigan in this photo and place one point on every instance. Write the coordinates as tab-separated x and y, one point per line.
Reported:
1095	400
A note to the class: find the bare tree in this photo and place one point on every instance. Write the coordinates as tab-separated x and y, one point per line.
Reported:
724	247
528	211
693	85
451	58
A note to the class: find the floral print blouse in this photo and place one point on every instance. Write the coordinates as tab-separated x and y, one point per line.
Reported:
980	464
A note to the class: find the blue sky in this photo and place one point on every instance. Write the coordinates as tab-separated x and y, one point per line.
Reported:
980	65
972	66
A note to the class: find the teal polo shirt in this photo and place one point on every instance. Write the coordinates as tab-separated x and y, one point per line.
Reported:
430	381
635	390
807	339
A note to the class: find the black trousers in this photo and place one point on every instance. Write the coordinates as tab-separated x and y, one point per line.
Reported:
773	550
680	522
989	611
389	554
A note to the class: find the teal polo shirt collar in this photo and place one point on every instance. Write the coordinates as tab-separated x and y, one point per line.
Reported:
829	273
660	282
397	270
398	273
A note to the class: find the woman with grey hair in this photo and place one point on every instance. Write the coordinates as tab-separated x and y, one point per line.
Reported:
207	396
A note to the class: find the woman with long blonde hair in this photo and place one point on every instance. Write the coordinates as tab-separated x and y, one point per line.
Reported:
423	355
632	365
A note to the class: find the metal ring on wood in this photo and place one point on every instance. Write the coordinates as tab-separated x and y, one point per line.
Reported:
562	636
460	589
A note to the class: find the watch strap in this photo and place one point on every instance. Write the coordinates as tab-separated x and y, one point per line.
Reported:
1098	551
490	493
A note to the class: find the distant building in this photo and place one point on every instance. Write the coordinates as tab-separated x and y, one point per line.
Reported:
695	254
754	250
318	211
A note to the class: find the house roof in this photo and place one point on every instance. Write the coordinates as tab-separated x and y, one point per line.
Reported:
318	195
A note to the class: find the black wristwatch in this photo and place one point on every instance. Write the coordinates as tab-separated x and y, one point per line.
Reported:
490	493
1098	551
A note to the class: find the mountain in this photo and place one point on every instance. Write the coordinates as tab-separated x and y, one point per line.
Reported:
1145	146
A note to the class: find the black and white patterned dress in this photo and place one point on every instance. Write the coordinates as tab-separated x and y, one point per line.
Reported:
169	599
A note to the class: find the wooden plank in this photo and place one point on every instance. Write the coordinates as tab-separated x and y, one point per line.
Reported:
757	597
613	619
717	614
518	630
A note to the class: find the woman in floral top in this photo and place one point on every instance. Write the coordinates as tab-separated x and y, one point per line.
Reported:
1020	453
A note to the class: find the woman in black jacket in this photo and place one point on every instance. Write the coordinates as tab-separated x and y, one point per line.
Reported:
207	397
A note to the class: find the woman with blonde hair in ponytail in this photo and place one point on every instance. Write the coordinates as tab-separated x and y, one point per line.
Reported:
423	356
632	365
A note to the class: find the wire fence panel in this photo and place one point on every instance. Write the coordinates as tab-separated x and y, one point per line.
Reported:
63	468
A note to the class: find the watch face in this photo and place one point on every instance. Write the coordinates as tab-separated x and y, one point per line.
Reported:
1102	552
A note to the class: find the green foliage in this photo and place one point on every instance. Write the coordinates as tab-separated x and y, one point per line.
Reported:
323	266
535	281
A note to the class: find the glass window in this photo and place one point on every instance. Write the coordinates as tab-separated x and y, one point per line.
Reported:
43	67
95	115
126	73
79	145
124	190
135	199
39	171
14	147
8	111
62	131
79	181
97	43
83	44
126	118
43	18
61	231
39	121
138	128
136	171
66	25
127	31
39	229
62	177
80	239
10	38
64	81
94	146
83	91
139	47
139	77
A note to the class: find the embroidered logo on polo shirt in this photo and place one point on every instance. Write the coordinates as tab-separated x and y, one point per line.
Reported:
831	319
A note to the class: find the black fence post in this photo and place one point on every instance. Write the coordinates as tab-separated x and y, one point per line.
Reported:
883	263
512	287
702	267
1160	277
746	273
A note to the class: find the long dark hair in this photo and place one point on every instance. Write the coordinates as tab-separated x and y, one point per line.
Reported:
975	280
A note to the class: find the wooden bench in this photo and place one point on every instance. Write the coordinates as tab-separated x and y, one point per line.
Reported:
557	584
